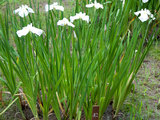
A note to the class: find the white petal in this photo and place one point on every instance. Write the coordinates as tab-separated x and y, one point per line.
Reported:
49	7
54	6
23	13
86	18
72	18
89	5
144	17
60	23
123	2
144	1
98	5
70	24
16	11
36	31
147	11
152	17
30	10
75	18
61	8
137	13
80	15
22	32
29	25
46	7
65	21
136	51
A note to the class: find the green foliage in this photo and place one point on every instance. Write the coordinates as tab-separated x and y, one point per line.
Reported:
70	74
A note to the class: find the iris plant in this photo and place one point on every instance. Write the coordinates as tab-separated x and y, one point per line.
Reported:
69	70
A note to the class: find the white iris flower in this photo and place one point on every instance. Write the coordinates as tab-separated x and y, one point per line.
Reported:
95	4
23	10
144	15
54	6
80	15
27	29
144	1
64	22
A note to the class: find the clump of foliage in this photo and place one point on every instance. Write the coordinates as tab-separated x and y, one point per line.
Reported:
69	69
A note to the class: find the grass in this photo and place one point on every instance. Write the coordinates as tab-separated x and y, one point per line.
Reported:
143	101
155	51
